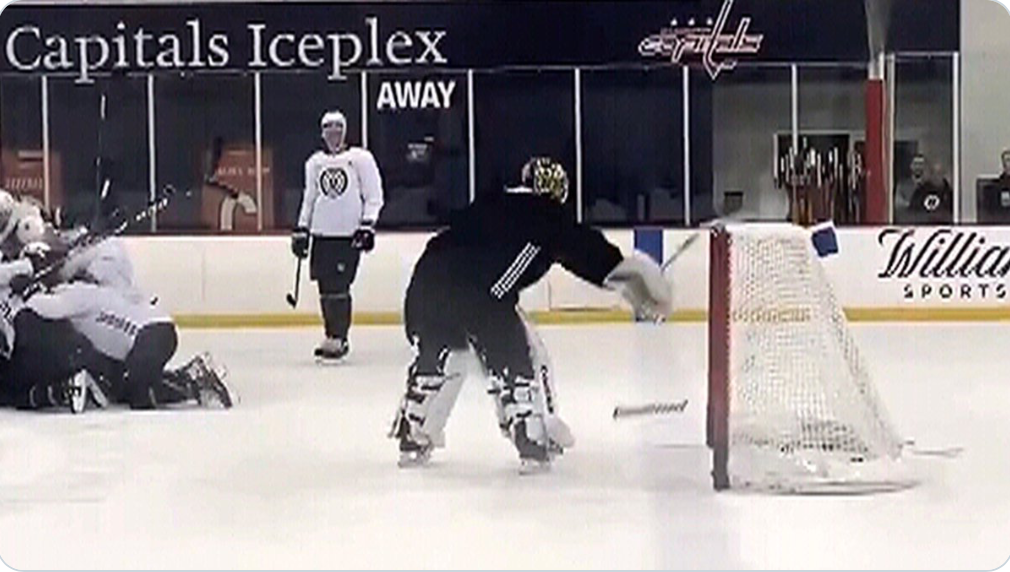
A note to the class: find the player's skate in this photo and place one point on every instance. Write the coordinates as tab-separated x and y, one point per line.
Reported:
208	382
76	391
96	392
332	350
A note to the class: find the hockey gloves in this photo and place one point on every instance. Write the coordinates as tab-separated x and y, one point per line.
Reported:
640	281
364	238
300	243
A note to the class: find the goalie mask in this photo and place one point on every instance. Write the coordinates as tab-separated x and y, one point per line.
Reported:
546	177
333	127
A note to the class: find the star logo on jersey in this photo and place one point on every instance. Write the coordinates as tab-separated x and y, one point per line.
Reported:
333	181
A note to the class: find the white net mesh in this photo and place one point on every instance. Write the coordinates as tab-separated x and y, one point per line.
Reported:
803	411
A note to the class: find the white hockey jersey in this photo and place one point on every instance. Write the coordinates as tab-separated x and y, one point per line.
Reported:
110	319
10	304
342	191
105	264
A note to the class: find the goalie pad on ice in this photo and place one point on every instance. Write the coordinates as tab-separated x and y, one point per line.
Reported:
427	417
640	281
534	400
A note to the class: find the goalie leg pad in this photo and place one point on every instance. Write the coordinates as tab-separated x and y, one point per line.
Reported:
519	372
429	400
543	373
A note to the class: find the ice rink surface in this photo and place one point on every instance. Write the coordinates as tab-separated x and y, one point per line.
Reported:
301	475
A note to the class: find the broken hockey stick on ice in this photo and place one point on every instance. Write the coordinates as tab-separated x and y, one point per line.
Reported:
625	411
943	452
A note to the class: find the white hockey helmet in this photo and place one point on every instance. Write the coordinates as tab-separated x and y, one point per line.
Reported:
334	129
334	117
30	228
24	225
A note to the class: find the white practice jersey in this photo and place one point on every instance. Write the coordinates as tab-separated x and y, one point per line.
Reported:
10	304
105	264
110	319
341	191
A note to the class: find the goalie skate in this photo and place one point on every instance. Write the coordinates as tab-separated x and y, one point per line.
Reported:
535	456
530	466
410	459
413	455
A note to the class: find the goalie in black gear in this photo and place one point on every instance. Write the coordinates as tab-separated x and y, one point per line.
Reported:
463	296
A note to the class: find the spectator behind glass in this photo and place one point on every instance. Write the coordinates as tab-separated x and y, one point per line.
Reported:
932	202
1003	182
906	187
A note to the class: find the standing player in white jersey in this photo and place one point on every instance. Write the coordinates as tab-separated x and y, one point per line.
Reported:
342	200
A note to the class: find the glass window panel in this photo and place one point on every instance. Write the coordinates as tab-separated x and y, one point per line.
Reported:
750	106
519	114
193	114
21	135
90	151
923	126
633	146
418	133
832	119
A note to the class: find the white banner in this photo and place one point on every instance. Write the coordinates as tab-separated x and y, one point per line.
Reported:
922	267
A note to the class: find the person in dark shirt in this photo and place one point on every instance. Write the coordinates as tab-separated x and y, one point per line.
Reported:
464	293
932	201
1003	181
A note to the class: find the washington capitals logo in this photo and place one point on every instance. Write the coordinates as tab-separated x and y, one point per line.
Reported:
708	41
333	181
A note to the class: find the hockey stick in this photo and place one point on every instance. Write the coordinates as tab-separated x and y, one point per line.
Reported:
292	298
625	411
102	182
680	250
942	452
88	239
705	227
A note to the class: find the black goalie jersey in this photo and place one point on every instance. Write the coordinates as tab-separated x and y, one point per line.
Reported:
502	243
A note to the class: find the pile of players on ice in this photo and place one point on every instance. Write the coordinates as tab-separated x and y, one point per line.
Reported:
75	331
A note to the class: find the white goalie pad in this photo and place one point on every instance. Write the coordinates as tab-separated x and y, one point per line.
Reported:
546	395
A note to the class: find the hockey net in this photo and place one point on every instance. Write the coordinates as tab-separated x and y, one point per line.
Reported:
791	407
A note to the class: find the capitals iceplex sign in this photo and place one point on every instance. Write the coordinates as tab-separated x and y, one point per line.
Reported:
708	41
333	38
29	48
